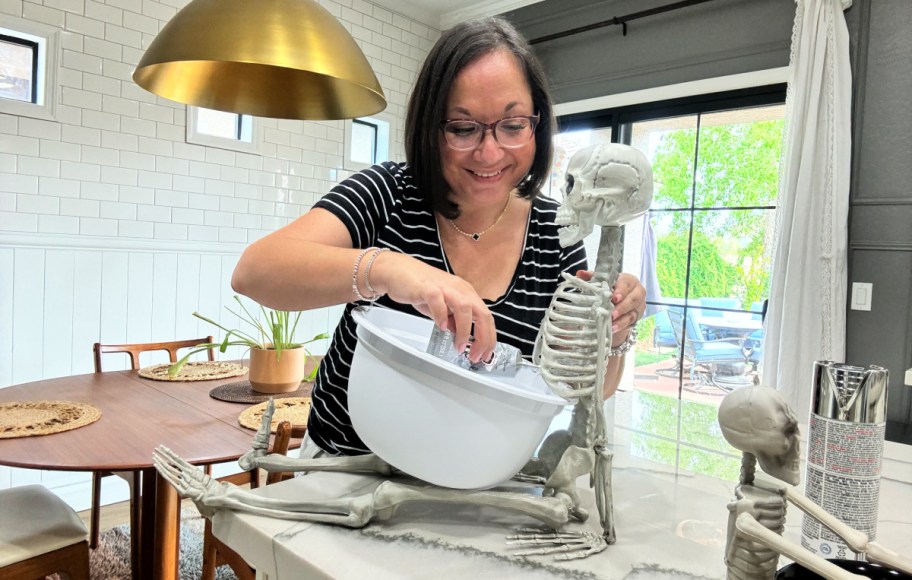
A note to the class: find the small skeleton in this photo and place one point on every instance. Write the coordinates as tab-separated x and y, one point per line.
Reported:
607	185
758	422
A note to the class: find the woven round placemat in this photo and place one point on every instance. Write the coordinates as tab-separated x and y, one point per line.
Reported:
195	371
30	418
293	409
242	392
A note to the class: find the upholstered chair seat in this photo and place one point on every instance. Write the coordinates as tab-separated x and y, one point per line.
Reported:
40	535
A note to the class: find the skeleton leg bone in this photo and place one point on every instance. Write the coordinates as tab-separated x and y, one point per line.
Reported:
210	495
604	497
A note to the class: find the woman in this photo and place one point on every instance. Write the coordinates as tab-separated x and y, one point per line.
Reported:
458	234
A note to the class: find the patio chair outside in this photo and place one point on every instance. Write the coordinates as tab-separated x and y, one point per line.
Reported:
663	334
713	362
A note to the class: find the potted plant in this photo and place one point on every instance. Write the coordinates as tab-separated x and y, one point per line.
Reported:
277	360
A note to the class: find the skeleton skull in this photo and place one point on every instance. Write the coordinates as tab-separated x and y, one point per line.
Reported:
607	184
758	420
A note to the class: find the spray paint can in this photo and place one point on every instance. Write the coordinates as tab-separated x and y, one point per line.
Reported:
505	361
845	451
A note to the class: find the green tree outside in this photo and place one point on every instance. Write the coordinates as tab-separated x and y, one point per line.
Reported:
737	167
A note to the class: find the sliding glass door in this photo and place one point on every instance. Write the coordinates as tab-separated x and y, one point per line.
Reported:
703	252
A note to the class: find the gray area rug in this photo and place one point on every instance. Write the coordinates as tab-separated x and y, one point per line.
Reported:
111	560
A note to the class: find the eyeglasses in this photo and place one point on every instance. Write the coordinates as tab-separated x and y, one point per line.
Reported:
510	132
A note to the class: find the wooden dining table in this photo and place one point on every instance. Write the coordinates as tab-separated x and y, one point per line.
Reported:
137	415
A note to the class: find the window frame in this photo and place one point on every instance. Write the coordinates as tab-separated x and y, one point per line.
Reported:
36	50
48	58
255	130
386	129
620	120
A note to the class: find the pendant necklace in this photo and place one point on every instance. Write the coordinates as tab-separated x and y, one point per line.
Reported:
477	235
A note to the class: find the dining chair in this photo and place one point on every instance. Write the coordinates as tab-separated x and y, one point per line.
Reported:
134	350
41	535
131	477
215	552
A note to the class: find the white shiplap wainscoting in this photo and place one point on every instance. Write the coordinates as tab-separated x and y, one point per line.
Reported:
61	294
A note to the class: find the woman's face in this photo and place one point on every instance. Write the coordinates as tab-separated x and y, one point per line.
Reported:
489	89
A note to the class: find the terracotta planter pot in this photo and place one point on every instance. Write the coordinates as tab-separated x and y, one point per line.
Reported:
270	376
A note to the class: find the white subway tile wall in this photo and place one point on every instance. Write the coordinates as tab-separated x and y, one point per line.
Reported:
116	160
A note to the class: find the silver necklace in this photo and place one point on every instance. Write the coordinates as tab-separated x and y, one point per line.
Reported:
477	235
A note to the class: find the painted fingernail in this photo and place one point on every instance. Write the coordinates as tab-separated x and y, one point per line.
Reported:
615	328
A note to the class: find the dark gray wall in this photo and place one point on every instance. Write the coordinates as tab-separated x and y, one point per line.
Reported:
725	37
880	227
713	39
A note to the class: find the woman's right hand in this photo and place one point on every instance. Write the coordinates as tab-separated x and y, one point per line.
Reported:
451	302
308	264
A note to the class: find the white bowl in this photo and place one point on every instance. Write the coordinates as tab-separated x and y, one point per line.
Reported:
434	420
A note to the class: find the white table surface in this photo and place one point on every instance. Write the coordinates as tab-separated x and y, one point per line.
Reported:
732	321
668	526
463	542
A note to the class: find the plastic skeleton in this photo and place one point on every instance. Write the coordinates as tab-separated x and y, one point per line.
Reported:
607	185
757	421
610	181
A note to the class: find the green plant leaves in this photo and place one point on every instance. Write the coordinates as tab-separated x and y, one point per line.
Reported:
274	330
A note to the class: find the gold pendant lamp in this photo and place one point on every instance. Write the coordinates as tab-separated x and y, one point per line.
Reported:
288	59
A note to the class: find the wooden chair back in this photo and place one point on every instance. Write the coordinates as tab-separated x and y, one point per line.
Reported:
134	349
215	552
285	432
133	477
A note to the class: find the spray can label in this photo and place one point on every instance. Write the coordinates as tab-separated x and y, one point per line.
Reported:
843	477
505	361
845	452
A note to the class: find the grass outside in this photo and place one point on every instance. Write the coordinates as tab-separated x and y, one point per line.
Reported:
645	356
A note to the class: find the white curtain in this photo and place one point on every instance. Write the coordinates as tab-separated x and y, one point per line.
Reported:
806	317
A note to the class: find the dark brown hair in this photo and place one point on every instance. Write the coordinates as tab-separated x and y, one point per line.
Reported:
457	48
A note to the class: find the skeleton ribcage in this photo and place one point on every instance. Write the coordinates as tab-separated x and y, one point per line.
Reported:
569	342
747	559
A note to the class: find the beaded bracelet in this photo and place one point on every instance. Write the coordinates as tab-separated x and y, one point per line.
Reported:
367	275
627	344
355	290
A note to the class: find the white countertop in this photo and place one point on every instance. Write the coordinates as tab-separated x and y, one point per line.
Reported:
668	526
670	523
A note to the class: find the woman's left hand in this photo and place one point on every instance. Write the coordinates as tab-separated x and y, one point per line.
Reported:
629	299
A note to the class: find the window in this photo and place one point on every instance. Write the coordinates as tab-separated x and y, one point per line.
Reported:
223	130
28	68
367	141
19	69
715	162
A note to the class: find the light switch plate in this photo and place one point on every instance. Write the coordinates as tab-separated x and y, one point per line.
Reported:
909	377
861	295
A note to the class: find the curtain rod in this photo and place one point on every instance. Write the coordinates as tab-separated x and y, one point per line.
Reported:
619	20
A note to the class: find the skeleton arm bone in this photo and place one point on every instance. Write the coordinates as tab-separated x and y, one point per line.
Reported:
756	531
855	539
257	457
369	463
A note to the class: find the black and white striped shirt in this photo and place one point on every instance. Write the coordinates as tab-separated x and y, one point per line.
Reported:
381	207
